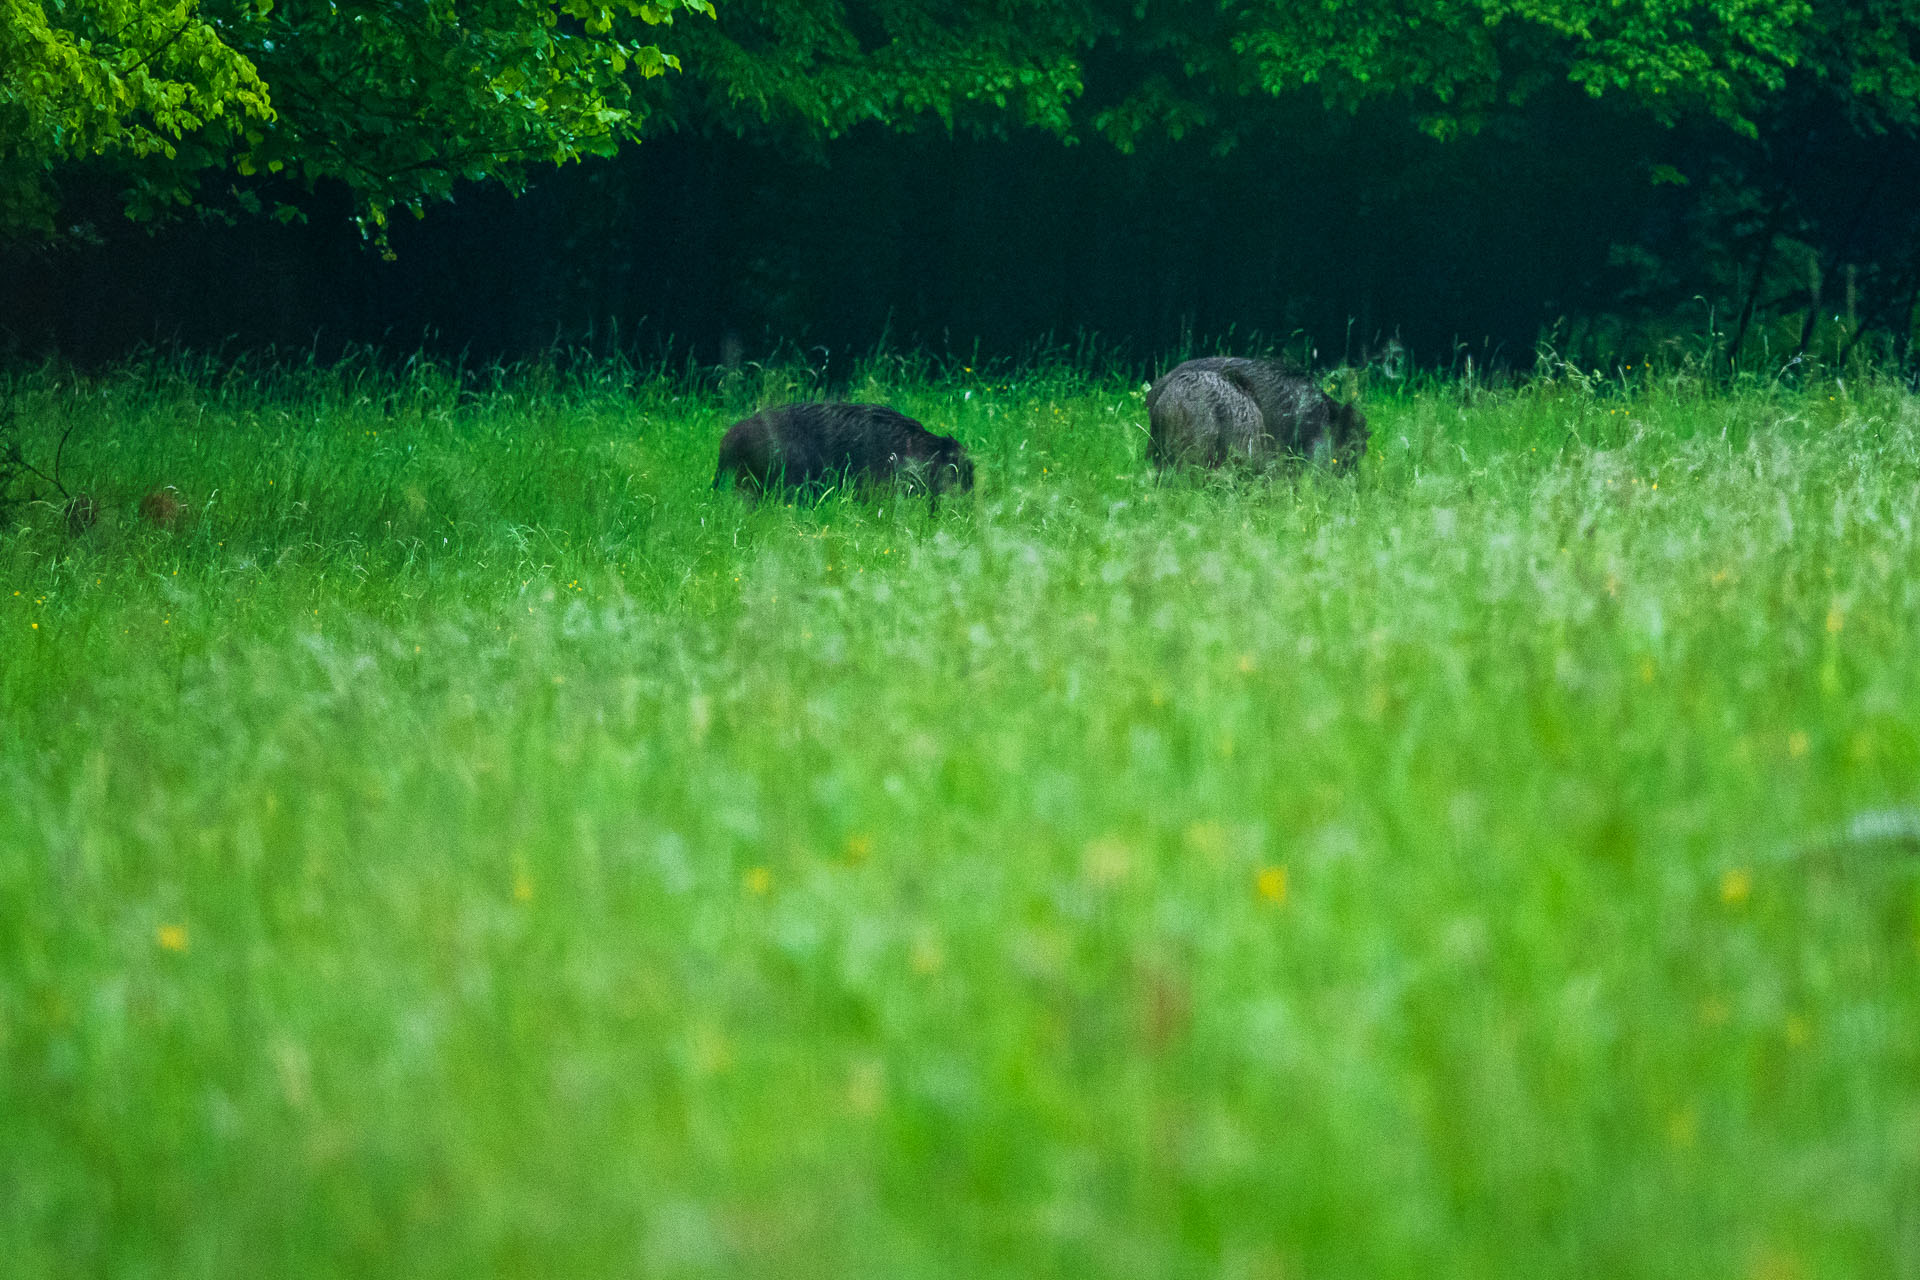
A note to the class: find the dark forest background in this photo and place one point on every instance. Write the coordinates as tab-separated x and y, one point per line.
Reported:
1588	223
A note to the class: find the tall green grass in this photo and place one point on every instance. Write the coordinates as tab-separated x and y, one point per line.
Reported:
469	845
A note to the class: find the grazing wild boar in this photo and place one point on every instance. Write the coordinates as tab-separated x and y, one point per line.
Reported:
813	446
1227	409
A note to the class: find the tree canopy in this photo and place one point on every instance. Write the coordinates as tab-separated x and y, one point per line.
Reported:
398	99
1133	69
238	106
123	78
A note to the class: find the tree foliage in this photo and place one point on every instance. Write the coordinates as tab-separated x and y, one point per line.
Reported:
816	68
1778	130
126	79
1786	117
398	99
1135	69
1455	62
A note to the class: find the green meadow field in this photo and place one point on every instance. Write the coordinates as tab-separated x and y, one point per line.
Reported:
466	844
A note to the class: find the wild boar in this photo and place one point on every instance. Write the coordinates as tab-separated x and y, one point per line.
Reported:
814	446
1228	409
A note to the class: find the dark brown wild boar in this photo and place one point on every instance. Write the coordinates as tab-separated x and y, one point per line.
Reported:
814	446
1221	409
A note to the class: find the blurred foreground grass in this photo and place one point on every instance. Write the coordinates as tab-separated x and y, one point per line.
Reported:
468	845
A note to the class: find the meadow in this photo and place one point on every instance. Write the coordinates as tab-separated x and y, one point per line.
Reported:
467	844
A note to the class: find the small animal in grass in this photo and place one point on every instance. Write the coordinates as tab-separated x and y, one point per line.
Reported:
162	508
1222	410
82	512
814	446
